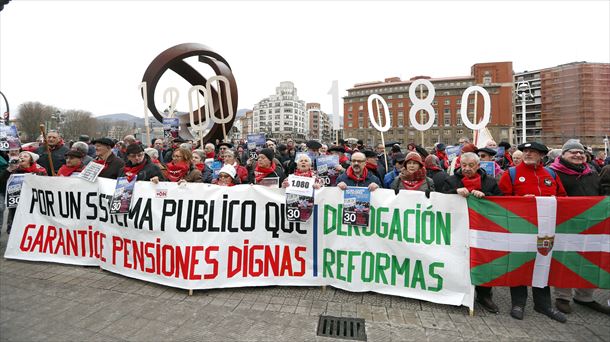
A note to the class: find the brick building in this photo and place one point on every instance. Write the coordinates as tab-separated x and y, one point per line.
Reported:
569	101
320	127
496	78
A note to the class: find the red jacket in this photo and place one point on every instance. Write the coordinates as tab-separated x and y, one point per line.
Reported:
531	180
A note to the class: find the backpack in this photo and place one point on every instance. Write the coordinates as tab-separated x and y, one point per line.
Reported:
512	171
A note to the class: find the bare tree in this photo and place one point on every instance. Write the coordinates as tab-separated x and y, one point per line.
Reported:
77	122
29	117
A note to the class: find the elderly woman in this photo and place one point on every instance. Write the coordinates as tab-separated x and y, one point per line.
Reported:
198	159
265	167
226	176
304	169
241	171
74	163
413	175
181	169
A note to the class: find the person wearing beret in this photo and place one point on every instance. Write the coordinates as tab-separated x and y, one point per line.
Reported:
343	159
222	148
266	167
139	164
74	163
487	154
398	161
532	179
113	165
579	179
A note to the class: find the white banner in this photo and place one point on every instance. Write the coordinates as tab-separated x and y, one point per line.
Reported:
205	236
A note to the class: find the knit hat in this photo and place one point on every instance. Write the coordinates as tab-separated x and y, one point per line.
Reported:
572	144
33	155
431	161
267	152
415	157
229	170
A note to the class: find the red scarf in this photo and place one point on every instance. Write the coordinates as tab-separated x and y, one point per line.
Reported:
412	184
35	168
132	171
473	183
351	175
262	172
103	162
210	155
343	159
509	158
442	156
66	171
176	172
200	166
56	146
303	174
371	166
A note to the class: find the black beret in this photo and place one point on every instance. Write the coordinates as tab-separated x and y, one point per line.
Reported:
369	154
487	150
399	158
535	146
337	149
312	144
104	141
228	145
75	153
134	149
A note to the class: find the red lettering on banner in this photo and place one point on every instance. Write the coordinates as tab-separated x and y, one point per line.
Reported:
257	260
117	244
58	240
209	259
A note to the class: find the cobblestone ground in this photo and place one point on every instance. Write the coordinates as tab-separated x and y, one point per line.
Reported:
53	302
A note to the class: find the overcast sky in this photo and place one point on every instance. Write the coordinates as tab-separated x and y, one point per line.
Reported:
91	55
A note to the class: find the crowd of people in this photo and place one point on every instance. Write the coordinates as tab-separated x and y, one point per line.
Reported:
530	169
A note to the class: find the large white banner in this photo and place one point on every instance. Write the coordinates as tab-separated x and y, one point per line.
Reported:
202	236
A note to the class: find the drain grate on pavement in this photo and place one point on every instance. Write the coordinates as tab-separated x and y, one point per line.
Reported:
342	327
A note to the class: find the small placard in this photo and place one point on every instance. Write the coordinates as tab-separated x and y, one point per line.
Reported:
13	189
302	186
123	192
91	171
356	206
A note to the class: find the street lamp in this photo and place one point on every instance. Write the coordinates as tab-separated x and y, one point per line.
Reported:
5	116
525	93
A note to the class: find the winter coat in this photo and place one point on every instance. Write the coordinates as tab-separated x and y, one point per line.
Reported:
489	186
114	167
426	186
579	185
438	177
370	178
58	154
531	180
150	170
604	182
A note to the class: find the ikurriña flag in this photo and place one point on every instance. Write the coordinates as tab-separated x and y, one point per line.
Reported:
540	241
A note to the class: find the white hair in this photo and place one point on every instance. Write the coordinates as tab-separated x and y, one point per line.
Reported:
304	156
81	146
152	152
471	156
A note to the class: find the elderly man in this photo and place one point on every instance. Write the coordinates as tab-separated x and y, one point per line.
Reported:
140	164
517	157
579	180
210	151
531	178
468	180
358	175
158	145
84	148
58	152
113	165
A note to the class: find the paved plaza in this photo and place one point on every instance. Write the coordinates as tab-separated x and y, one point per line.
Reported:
54	302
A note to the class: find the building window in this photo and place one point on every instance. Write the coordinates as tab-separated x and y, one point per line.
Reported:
400	96
447	122
350	108
390	97
447	102
390	105
400	104
459	131
458	101
361	107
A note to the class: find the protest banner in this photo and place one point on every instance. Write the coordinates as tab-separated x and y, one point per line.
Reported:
203	236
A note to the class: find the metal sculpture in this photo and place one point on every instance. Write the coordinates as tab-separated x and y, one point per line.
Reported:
173	59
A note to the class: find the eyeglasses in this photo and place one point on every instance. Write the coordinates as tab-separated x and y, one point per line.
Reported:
576	152
358	161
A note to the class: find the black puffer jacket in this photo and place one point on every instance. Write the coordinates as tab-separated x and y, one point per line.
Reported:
489	186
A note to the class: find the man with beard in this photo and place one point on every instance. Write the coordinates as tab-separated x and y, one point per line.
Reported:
58	152
358	175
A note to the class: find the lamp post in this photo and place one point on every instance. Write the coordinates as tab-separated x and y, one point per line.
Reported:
525	93
5	116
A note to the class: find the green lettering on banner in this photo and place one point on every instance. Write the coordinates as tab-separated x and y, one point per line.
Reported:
395	231
443	228
328	262
418	276
340	255
406	225
433	274
368	261
350	264
382	262
400	269
427	226
417	223
328	209
379	225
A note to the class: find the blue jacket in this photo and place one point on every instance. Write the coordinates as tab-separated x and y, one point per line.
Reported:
389	178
